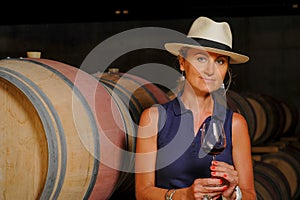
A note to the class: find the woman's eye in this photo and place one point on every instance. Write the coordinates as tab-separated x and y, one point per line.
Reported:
202	59
220	62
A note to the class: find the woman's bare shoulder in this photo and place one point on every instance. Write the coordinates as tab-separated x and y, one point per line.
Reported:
239	124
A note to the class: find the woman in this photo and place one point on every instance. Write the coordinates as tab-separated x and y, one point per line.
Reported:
168	165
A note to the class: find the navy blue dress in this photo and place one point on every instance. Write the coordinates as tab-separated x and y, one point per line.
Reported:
178	163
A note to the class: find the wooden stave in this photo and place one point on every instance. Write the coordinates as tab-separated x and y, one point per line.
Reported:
285	161
266	175
148	95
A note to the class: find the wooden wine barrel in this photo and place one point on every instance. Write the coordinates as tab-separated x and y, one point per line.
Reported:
125	181
240	104
279	116
291	116
261	119
137	94
275	118
270	182
293	149
61	132
287	162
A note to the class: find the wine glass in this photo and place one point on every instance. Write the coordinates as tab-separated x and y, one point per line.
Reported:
213	138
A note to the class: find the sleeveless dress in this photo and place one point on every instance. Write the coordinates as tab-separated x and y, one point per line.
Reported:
178	163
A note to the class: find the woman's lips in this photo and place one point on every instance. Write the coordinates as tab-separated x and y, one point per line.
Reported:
208	80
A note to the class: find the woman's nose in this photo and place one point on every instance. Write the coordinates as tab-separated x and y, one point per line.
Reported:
210	68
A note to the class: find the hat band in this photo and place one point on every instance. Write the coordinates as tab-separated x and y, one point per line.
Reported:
213	44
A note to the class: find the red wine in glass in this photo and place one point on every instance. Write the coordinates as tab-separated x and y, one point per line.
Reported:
213	139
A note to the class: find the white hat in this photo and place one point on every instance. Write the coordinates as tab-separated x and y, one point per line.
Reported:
211	36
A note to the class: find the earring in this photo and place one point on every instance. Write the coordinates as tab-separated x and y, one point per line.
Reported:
182	77
180	82
222	88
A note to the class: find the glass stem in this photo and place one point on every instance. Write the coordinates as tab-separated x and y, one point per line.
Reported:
214	157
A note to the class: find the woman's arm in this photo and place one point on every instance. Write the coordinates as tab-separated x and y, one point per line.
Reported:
146	148
242	159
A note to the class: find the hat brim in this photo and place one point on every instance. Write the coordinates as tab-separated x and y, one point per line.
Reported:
235	58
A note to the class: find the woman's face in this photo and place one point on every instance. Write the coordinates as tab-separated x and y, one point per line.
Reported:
204	71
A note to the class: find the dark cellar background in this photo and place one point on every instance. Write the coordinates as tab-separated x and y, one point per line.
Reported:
267	31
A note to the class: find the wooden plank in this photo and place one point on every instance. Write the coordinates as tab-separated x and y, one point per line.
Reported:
265	149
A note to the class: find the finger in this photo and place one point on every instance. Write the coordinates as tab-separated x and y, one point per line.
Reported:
221	166
207	196
231	180
228	178
208	182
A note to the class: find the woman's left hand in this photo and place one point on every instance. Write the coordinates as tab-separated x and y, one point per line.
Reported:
228	174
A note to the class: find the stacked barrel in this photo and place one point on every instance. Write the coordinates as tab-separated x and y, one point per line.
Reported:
275	143
135	94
